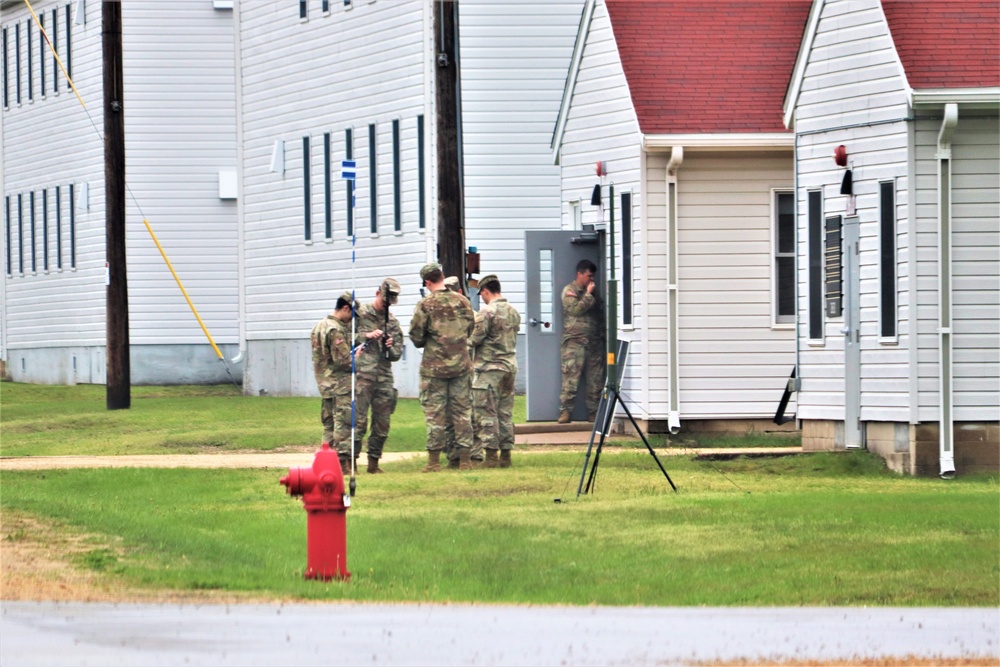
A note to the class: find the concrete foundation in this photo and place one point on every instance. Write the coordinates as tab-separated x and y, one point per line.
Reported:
149	365
716	426
913	449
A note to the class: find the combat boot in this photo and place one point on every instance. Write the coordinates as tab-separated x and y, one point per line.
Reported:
492	459
433	461
345	462
564	417
373	465
464	459
504	458
452	464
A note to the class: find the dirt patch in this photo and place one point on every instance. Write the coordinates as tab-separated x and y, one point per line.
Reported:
45	562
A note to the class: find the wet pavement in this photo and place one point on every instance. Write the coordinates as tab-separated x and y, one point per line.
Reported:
49	633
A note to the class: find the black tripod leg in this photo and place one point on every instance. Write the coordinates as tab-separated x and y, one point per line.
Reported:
593	468
644	441
586	462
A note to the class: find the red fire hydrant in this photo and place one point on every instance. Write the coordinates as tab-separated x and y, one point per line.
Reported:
322	491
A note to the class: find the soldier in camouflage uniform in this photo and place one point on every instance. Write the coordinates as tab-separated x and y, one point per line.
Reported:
378	331
450	448
583	346
442	323
331	356
494	344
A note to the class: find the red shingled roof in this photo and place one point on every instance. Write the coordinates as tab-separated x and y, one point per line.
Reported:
698	66
947	44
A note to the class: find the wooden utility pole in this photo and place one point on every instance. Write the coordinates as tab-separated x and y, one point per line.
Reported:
119	396
451	218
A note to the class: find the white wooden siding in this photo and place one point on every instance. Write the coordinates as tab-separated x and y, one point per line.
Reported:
515	57
180	115
601	125
731	362
975	269
853	78
327	74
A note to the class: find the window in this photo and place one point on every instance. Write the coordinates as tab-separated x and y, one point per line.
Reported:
17	64
306	199
55	50
45	230
31	71
41	55
783	248
69	50
421	182
349	155
58	228
546	287
327	188
626	258
887	259
6	219
303	9
6	71
575	215
372	178
31	228
325	6
815	265
397	200
20	234
72	228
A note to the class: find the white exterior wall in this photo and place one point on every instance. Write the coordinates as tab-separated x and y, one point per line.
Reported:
346	69
515	57
732	362
975	268
854	77
180	129
601	125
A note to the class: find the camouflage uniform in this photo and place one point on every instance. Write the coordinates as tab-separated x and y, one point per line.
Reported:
374	382
442	323
331	357
583	347
494	342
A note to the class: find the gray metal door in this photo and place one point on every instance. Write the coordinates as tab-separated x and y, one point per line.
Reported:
853	436
550	264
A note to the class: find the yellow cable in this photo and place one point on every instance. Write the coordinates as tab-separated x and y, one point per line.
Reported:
54	54
183	291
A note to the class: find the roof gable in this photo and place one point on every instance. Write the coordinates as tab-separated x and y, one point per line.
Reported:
716	67
953	44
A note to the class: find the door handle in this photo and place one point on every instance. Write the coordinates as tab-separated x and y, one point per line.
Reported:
535	322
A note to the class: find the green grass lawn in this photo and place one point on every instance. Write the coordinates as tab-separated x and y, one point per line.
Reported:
41	420
822	529
44	420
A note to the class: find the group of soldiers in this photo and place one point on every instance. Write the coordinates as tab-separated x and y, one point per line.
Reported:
467	371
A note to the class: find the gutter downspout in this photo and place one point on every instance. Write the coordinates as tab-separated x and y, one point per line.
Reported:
674	415
240	206
946	423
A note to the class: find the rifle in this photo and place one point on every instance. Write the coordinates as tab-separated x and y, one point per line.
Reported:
386	351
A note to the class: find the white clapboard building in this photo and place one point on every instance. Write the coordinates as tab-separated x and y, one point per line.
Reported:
682	106
180	123
322	82
899	239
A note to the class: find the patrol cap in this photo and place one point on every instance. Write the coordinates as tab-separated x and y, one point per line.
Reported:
391	284
348	297
486	280
451	282
429	269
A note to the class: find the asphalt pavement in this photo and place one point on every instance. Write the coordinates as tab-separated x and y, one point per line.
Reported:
77	633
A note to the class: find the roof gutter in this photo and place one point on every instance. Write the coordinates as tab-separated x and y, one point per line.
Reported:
720	142
946	421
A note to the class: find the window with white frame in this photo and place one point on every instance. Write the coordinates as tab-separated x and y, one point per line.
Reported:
887	259
783	251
